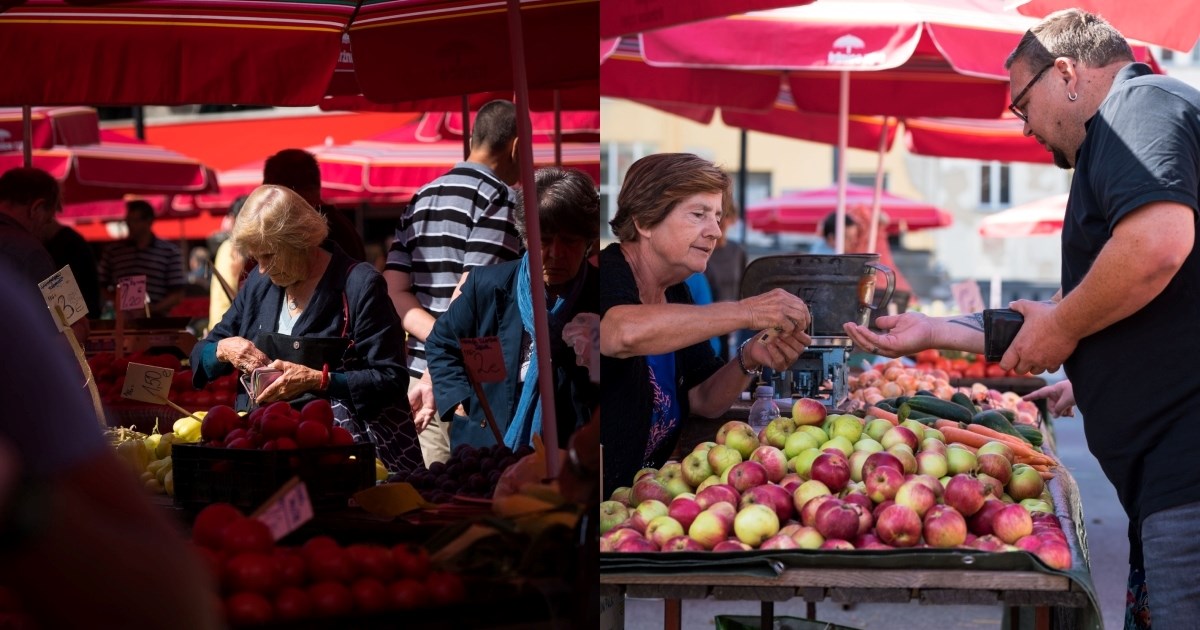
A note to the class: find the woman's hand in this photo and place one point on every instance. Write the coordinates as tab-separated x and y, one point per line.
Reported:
779	310
241	353
583	334
1059	396
780	353
295	380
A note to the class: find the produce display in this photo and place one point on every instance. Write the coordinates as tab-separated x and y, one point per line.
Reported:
109	374
966	365
261	582
892	380
149	456
471	472
838	481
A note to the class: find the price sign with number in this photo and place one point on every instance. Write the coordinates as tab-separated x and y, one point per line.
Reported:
484	359
287	509
61	291
133	292
147	383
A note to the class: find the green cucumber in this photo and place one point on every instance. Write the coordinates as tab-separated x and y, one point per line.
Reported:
906	412
964	401
996	421
924	392
939	408
886	406
1031	433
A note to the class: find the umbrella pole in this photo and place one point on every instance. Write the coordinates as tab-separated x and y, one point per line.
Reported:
557	131
743	175
843	145
534	246
876	208
27	129
466	114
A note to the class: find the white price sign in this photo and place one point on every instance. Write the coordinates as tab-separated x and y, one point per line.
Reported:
133	292
287	509
62	293
147	383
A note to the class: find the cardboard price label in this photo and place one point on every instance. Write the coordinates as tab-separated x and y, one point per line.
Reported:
484	359
62	292
968	296
147	383
287	509
133	292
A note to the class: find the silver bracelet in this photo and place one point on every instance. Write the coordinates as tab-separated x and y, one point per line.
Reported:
742	361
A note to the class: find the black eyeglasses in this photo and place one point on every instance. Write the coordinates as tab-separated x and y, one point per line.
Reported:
1012	107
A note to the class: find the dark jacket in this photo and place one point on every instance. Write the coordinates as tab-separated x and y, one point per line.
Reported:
488	306
628	402
374	328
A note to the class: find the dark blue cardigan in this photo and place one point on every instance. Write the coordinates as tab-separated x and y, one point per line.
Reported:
375	329
488	306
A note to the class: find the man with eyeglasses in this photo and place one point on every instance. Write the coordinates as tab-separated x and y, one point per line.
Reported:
1130	283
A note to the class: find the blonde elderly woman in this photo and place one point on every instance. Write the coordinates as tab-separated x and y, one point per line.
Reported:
322	318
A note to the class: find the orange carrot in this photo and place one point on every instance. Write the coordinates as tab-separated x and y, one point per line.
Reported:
963	436
886	415
1045	475
941	423
1020	447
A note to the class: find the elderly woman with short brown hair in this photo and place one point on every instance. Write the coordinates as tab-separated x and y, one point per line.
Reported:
657	366
321	318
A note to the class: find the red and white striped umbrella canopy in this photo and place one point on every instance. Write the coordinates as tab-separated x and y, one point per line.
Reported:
803	212
1043	217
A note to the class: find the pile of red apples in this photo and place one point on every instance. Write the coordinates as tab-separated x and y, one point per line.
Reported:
818	481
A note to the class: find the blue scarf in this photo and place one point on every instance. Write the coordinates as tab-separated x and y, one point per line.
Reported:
528	418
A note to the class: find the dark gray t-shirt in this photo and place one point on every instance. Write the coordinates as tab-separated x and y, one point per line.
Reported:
1142	410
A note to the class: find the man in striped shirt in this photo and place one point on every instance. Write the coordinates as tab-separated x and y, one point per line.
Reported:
143	253
460	220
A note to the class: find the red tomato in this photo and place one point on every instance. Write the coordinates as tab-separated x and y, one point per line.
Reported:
293	603
330	599
318	542
445	588
329	564
248	534
291	567
285	444
995	371
318	410
278	425
218	422
372	561
340	437
959	364
408	593
248	609
974	371
411	561
209	527
252	571
370	595
311	433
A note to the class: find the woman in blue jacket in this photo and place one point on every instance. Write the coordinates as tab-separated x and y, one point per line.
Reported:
496	301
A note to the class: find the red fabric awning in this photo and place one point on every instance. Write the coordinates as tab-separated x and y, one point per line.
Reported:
584	96
623	17
412	49
170	53
803	212
975	139
67	126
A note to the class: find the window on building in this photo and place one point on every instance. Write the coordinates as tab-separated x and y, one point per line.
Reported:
865	179
994	186
615	160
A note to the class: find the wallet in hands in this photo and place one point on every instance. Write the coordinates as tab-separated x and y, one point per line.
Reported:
1000	327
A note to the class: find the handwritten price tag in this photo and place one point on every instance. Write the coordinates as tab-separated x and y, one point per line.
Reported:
133	292
62	291
484	359
147	383
287	509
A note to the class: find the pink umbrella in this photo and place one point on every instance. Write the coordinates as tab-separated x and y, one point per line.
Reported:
1172	24
803	212
621	17
50	126
1043	217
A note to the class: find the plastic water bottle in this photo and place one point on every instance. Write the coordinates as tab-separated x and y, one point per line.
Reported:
764	409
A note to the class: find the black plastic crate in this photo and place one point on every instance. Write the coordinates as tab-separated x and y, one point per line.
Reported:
246	478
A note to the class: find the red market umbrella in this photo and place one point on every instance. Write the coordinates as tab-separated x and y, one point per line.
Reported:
1001	139
109	171
803	212
1171	24
1043	217
575	126
581	96
622	17
785	119
170	53
414	49
50	126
